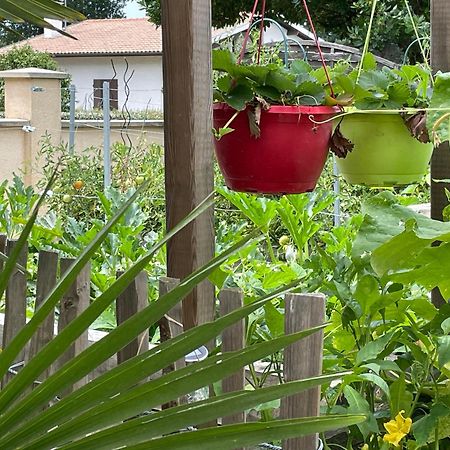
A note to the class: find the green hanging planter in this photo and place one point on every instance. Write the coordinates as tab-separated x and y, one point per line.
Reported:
385	153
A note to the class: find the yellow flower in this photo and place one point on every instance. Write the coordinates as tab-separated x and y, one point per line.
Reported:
397	429
365	447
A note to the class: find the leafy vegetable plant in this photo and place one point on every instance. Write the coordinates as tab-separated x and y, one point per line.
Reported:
241	84
408	89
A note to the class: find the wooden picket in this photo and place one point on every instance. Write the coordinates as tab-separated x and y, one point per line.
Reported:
132	300
74	302
46	280
15	301
233	339
303	359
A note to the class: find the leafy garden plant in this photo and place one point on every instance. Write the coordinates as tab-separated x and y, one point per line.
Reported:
408	89
382	325
240	84
112	410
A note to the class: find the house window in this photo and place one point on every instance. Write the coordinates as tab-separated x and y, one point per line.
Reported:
113	94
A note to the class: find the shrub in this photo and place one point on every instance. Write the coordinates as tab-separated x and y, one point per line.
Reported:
26	56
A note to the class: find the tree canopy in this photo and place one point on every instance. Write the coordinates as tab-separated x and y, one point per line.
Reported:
343	21
99	9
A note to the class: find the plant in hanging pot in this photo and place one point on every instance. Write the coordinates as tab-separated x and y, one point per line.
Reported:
386	128
385	152
268	124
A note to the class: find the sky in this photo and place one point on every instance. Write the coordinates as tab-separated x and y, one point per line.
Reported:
133	10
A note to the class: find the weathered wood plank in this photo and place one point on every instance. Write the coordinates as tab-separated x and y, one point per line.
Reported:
440	162
188	145
233	339
15	301
132	300
46	280
302	312
74	302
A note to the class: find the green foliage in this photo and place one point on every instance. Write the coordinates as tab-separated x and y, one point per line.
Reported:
241	84
17	202
408	86
379	327
25	56
385	330
384	311
130	167
99	9
401	241
392	29
438	122
97	114
370	88
109	410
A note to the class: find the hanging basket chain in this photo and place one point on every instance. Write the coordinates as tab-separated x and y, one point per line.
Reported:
419	39
367	41
319	49
247	34
261	34
261	30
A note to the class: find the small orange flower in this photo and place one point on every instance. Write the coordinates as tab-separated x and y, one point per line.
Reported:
397	429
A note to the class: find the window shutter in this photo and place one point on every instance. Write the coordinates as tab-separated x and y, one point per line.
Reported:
113	93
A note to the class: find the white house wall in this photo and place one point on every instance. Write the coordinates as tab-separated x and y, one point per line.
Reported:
145	84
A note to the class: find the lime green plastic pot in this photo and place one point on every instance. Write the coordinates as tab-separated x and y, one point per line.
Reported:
385	153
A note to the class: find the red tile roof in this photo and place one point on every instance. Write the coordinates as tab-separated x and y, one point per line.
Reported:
101	37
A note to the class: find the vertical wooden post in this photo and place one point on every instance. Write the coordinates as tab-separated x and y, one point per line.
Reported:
303	360
186	33
132	300
233	338
440	163
15	301
170	326
46	280
74	301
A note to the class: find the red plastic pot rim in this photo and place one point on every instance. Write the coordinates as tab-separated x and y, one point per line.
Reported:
289	109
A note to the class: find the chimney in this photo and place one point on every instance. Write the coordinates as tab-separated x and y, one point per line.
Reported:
48	33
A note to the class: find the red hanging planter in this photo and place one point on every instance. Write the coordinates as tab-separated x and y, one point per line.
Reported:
287	158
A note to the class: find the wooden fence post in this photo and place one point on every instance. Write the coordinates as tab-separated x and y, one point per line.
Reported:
15	301
74	302
440	162
170	326
303	359
132	300
46	281
233	338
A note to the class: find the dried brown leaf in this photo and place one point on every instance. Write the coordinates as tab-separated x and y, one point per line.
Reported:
254	119
339	144
265	105
417	126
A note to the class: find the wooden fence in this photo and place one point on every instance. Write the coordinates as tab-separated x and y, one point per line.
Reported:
301	360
